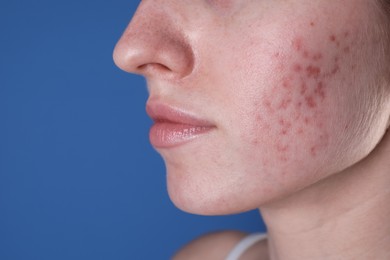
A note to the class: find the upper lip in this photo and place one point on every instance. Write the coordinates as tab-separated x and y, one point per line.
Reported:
162	112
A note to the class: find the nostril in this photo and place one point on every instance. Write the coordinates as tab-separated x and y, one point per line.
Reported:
153	65
154	68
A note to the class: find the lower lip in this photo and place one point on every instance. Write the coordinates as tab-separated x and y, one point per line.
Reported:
168	134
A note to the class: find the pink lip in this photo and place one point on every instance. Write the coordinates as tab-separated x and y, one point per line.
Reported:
173	126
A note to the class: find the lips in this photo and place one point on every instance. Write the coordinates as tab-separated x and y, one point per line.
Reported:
173	126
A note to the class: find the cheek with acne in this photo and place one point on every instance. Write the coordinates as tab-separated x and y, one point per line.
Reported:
295	104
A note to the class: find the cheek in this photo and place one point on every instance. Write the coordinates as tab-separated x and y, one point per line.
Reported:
294	119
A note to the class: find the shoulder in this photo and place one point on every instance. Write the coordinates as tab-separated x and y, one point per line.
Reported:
216	245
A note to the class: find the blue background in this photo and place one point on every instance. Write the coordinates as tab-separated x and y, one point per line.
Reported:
78	177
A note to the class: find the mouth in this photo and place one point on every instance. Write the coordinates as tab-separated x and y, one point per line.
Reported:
174	126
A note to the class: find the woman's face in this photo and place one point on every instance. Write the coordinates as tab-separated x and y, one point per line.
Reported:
285	93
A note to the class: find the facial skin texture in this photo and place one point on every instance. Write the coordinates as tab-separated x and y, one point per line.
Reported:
295	89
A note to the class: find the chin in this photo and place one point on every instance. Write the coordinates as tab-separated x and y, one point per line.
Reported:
201	204
190	195
193	193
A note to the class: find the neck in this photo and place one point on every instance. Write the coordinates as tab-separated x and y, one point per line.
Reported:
345	216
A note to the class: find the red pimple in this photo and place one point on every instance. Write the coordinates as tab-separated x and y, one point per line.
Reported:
297	67
268	106
320	90
313	71
285	123
285	103
286	84
320	125
317	56
307	120
310	102
346	49
284	159
312	24
332	38
297	44
282	122
313	151
323	141
335	70
297	115
306	54
282	148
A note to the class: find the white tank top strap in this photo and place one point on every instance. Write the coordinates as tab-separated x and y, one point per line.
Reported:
244	245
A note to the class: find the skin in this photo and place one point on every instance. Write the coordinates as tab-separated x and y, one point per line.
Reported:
299	95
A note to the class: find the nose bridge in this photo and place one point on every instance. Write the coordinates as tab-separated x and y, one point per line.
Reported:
153	44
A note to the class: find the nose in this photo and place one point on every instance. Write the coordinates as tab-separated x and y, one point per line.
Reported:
154	45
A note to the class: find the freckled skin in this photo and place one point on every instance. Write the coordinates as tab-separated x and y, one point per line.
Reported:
289	85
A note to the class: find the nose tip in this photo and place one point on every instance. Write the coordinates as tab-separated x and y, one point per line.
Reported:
153	47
